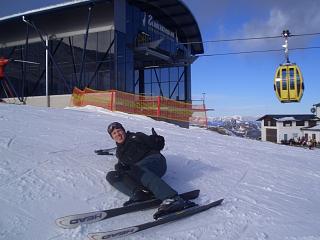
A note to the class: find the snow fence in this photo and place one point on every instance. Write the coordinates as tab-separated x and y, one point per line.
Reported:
152	106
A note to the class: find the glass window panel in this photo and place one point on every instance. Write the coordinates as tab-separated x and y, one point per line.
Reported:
181	91
147	89
91	48
176	92
68	59
298	81
147	76
284	79
165	89
292	87
155	89
278	88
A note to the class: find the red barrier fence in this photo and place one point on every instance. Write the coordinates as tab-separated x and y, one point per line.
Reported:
152	106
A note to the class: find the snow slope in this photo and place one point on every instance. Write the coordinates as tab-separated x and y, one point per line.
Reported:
48	169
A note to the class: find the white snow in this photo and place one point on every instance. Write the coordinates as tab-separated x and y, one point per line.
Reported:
317	127
286	119
48	169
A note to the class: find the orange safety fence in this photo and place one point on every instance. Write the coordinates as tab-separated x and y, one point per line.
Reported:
152	106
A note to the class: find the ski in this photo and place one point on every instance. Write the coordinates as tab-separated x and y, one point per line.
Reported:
73	221
107	151
123	232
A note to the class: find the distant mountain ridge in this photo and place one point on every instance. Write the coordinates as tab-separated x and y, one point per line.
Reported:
241	126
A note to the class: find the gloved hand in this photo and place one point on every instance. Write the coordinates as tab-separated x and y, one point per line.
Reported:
154	131
158	141
103	152
121	167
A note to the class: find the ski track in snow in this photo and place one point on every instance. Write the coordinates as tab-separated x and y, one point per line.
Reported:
48	169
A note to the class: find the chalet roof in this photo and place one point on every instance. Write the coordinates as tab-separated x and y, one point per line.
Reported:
314	128
290	117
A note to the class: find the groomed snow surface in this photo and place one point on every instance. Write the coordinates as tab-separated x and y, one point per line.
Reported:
48	169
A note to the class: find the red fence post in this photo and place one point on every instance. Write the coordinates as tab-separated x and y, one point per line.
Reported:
112	96
158	106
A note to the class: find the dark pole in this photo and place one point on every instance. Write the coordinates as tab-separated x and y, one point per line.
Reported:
24	70
73	60
85	46
161	93
49	52
175	87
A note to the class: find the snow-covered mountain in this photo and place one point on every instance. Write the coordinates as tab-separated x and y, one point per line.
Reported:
48	169
236	126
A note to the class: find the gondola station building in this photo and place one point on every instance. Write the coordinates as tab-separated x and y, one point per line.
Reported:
133	46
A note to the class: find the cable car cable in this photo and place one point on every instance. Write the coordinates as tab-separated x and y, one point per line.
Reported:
304	34
255	51
250	38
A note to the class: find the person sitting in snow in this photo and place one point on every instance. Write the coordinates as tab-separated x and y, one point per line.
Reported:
140	168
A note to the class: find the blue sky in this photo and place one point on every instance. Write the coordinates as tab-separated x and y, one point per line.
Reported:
243	84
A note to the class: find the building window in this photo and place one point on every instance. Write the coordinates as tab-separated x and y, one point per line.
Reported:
271	123
97	72
287	123
292	87
312	123
284	79
168	82
313	136
300	123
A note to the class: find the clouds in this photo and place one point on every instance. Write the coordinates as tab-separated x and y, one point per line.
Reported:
247	18
297	16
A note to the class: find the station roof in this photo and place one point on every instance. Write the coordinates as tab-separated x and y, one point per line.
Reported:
48	9
173	14
60	20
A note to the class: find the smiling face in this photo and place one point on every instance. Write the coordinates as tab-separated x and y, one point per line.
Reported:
118	135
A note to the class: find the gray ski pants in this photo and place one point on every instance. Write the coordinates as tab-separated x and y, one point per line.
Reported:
144	174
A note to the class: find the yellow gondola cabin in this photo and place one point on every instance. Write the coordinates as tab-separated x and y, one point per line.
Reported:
288	83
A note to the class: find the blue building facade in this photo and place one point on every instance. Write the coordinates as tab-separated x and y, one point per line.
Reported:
141	47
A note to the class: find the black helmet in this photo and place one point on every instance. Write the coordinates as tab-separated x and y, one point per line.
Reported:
113	126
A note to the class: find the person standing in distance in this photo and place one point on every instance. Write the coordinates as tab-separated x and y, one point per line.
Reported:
139	170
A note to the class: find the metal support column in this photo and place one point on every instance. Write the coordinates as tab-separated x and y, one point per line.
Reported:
44	71
24	70
175	87
141	82
73	61
85	47
47	72
49	52
161	93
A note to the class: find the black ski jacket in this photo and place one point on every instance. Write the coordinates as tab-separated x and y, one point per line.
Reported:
137	146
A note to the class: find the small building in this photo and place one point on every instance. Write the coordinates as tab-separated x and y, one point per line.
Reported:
279	128
312	133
